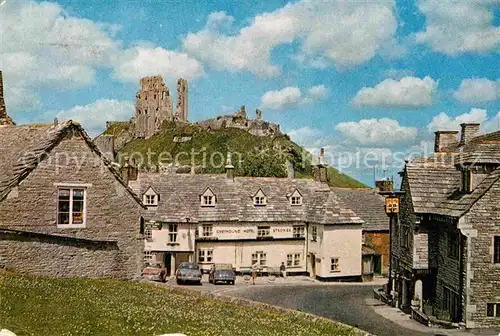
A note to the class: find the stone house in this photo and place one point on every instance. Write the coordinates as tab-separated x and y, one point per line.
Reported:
245	220
445	250
370	206
64	208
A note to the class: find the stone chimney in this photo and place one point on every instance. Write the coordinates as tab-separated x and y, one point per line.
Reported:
229	166
3	109
320	171
385	185
129	170
290	169
469	130
445	139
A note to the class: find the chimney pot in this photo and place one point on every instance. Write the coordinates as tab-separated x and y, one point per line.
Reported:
469	130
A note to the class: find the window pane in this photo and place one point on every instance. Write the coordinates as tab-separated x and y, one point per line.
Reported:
78	194
77	218
64	205
496	250
63	218
64	194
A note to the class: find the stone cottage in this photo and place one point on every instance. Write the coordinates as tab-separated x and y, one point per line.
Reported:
445	251
64	208
246	220
370	206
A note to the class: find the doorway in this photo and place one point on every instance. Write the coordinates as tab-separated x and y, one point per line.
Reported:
313	265
168	263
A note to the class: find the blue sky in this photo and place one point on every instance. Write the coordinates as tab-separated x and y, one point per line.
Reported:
355	77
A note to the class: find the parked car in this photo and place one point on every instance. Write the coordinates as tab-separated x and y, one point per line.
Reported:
153	272
222	273
188	272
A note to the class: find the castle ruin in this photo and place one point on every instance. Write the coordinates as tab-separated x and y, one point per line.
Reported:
154	106
4	117
240	120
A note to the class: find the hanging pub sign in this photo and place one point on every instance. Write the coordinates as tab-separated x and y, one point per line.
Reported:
392	205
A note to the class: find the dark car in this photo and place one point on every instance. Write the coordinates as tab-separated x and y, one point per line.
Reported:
188	272
222	273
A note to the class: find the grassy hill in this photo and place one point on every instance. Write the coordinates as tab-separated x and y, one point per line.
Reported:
252	155
57	306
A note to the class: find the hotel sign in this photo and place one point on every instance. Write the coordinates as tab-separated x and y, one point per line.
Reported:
392	205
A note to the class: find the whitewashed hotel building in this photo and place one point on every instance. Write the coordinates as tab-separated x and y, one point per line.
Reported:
242	220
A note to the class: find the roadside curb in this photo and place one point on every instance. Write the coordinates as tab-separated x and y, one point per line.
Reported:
263	306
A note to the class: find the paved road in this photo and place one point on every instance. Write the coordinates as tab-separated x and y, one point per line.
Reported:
345	303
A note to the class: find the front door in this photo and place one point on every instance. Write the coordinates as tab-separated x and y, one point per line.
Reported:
168	263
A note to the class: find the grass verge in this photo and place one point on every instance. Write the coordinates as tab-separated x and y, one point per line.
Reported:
60	306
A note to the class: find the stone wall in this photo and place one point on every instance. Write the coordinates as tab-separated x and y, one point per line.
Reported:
112	213
239	120
482	223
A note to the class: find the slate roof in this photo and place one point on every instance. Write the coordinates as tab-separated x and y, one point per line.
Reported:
434	181
180	199
23	147
367	204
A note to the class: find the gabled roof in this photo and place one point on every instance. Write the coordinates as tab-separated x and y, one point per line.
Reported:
367	204
22	148
234	199
433	182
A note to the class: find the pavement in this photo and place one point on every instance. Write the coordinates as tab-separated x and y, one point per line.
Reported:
350	303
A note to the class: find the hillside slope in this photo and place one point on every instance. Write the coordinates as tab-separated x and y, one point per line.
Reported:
252	155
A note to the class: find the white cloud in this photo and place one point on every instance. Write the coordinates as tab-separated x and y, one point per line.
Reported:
292	97
408	92
443	122
460	26
478	90
341	33
308	137
397	74
318	92
377	132
44	47
142	61
94	116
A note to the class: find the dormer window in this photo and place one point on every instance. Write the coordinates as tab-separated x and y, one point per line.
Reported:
208	198
259	199
150	197
466	180
295	198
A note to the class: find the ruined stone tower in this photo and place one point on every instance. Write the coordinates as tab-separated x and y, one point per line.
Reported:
153	106
181	111
4	117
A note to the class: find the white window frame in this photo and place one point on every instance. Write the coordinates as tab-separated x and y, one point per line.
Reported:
259	200
314	233
173	232
148	256
150	200
293	260
71	188
296	200
299	231
259	257
207	230
263	231
334	265
205	256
